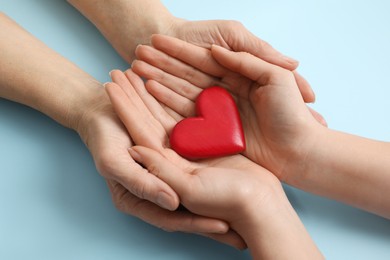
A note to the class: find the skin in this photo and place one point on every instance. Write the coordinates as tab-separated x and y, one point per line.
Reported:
76	100
119	21
116	19
281	134
246	195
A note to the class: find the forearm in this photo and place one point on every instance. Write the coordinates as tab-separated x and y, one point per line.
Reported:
34	75
350	169
126	23
278	234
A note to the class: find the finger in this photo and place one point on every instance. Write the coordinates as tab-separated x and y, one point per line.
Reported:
143	128
170	221
193	55
162	168
175	67
245	41
185	107
318	117
138	181
120	79
251	67
172	113
177	84
305	88
231	238
158	112
133	86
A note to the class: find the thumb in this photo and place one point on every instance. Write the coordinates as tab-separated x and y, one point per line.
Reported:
161	168
247	65
240	39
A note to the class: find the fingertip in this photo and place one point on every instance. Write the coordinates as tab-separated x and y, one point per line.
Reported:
113	72
153	38
134	154
165	198
137	47
306	90
109	88
210	226
323	121
221	227
141	51
223	56
157	38
167	201
292	63
230	238
318	117
109	73
216	48
129	73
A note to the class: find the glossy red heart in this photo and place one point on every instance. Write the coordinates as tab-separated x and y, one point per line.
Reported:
216	131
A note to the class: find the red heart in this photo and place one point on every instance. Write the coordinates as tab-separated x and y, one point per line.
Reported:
217	131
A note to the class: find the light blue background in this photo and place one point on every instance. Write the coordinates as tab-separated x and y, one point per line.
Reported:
54	204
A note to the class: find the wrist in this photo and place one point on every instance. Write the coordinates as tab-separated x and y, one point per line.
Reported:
126	24
273	230
96	107
81	94
255	214
302	158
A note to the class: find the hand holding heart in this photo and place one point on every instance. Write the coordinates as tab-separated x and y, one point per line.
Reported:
231	188
279	128
217	130
216	188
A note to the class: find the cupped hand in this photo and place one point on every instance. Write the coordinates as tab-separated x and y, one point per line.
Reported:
229	34
133	191
148	126
233	35
231	188
278	126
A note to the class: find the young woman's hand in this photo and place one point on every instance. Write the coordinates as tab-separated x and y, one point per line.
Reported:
279	128
233	188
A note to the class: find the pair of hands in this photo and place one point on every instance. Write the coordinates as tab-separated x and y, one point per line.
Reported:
277	126
108	140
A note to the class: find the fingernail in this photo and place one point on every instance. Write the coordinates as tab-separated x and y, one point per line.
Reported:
135	155
105	84
314	96
324	123
290	60
109	73
164	200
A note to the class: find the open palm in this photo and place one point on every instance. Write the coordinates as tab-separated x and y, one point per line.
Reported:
275	119
209	182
